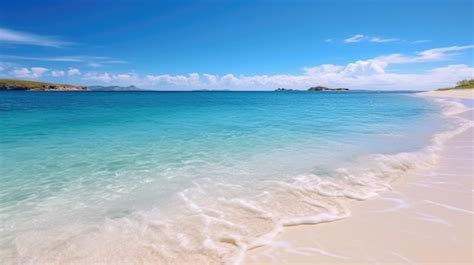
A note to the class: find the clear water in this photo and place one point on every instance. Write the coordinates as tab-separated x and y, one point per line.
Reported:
72	163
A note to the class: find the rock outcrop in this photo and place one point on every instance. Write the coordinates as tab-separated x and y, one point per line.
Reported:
282	89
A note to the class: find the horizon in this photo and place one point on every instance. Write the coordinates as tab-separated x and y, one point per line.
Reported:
239	46
139	89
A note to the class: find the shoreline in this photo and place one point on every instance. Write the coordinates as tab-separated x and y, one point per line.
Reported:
425	224
452	93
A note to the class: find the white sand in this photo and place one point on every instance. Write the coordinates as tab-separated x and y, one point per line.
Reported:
454	93
427	219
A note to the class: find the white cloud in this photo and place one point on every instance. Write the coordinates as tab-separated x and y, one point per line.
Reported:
22	72
4	66
381	40
441	53
121	79
177	80
322	69
369	74
25	38
93	61
95	65
33	72
104	77
372	73
328	40
361	37
57	73
355	38
421	41
431	55
361	74
38	71
73	59
210	79
73	72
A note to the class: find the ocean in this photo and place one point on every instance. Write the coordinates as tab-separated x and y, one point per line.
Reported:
181	177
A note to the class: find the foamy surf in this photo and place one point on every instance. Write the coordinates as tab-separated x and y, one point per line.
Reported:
217	222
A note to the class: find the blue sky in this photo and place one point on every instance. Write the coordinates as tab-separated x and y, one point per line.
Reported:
416	44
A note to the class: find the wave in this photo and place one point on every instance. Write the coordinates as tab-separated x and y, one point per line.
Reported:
219	229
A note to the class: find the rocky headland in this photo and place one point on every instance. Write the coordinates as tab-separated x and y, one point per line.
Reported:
12	84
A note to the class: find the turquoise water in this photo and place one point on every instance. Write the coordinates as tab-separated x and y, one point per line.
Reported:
76	166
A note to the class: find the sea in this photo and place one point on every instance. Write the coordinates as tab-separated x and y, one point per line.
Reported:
196	177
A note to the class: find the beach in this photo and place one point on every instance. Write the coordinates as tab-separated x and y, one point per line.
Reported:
427	217
452	93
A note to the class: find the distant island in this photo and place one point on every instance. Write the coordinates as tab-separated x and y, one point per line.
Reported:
13	84
463	84
282	89
314	88
322	88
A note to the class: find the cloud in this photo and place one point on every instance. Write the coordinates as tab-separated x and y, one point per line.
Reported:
73	59
92	61
103	77
328	40
73	72
25	38
57	73
441	53
322	69
122	79
355	38
361	37
192	79
33	72
95	65
421	41
7	66
22	72
38	71
431	55
371	73
381	40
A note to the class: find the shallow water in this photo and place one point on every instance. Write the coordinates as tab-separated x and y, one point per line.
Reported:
174	177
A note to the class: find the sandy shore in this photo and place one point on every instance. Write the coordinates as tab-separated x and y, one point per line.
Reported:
454	93
426	219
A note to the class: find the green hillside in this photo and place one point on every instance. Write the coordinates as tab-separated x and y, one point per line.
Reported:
464	84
